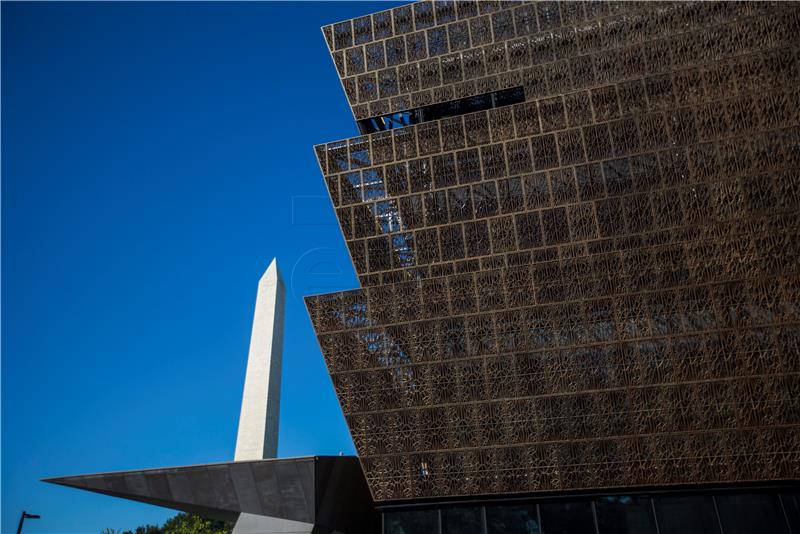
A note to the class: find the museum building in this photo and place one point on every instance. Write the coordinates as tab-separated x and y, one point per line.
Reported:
576	230
575	225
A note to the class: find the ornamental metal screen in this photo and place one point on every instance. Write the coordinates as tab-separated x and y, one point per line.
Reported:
597	287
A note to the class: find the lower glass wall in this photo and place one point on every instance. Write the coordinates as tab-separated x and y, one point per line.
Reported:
720	513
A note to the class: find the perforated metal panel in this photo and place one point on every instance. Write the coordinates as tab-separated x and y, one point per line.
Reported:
595	288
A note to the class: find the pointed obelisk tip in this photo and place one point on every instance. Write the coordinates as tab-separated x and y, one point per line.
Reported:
272	272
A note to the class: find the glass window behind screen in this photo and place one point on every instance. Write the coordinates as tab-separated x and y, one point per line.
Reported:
791	503
462	520
411	522
751	513
512	519
686	515
567	518
625	515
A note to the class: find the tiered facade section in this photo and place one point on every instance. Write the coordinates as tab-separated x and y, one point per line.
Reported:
596	288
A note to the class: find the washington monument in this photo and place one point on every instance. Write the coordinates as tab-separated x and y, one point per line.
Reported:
257	438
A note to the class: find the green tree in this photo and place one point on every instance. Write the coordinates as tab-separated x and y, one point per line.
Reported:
180	524
194	524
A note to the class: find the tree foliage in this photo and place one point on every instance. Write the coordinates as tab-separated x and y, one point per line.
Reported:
180	524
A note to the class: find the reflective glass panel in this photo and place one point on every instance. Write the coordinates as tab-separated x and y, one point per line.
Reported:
625	515
411	522
686	515
442	110
505	519
462	520
751	513
791	503
567	518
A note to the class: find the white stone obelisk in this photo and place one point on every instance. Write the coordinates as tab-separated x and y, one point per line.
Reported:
257	438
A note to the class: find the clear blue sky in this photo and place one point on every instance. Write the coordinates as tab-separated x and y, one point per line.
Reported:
155	157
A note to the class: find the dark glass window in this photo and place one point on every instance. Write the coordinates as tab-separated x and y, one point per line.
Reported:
399	120
506	519
412	522
567	518
625	515
686	515
388	122
462	520
791	503
475	103
739	513
751	513
434	112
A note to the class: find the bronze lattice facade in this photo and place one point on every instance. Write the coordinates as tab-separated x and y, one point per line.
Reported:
597	287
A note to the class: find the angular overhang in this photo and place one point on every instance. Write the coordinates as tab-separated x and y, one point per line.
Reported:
312	490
